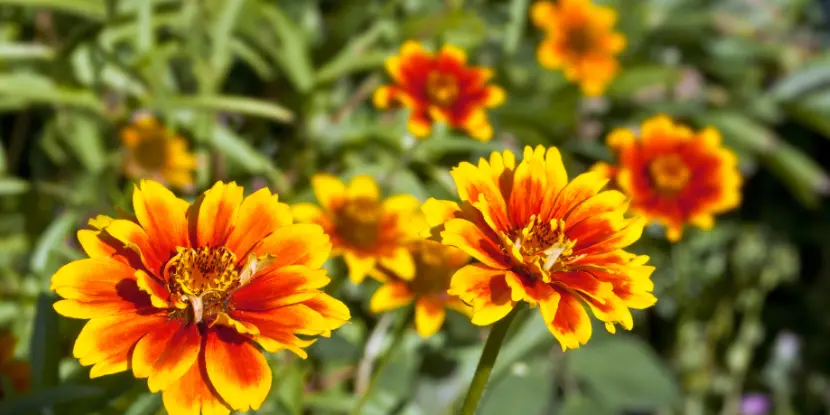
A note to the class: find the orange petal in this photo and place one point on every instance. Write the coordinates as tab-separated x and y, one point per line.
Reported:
429	316
133	237
163	217
603	202
151	346
295	318
574	193
273	337
193	394
215	214
529	188
359	265
469	238
159	294
363	187
390	296
95	247
278	287
567	319
400	263
474	182
530	290
329	190
485	289
626	236
259	215
439	211
106	342
97	287
236	369
297	244
333	311
310	213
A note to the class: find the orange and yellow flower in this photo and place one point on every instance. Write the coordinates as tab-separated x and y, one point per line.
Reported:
183	293
579	40
364	229
153	152
440	88
434	266
16	371
542	239
674	175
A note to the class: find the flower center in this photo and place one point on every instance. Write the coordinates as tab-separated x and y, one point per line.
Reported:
203	277
442	89
541	248
432	276
151	151
669	173
579	39
358	222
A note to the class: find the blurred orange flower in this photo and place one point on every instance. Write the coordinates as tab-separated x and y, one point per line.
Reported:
579	39
434	265
182	293
440	87
366	230
18	372
154	152
545	240
675	175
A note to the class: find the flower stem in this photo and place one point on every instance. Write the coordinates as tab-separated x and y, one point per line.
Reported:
486	363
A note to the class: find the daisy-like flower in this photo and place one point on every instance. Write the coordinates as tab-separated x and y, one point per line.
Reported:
183	293
555	244
16	371
434	265
579	40
674	175
440	88
153	152
364	229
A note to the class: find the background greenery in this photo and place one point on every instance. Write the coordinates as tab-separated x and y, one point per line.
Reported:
269	93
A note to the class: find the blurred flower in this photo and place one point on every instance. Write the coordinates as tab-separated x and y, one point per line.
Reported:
755	404
440	88
579	39
153	152
16	371
674	175
182	293
544	240
365	230
434	265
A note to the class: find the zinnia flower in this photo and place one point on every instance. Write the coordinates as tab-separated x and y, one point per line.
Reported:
16	371
434	265
154	152
183	293
579	39
440	87
555	244
365	230
675	175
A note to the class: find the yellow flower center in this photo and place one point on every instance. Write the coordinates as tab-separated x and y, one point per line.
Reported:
579	39
669	173
541	248
358	222
151	151
203	277
442	88
432	276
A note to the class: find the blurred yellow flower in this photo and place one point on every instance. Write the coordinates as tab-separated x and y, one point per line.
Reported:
18	372
440	88
579	40
674	175
366	230
183	293
434	265
154	152
540	238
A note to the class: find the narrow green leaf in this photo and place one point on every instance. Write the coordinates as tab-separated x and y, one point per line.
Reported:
806	79
240	105
357	54
292	55
146	404
41	90
91	9
44	399
82	135
54	235
12	52
222	34
239	151
44	354
145	28
516	25
634	79
12	186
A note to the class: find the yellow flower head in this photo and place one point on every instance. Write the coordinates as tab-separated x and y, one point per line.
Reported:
580	40
154	152
434	265
183	293
366	230
440	87
17	372
674	175
554	243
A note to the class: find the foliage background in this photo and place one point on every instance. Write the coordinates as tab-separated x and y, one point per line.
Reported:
269	93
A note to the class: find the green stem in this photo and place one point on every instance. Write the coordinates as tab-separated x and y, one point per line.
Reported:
486	363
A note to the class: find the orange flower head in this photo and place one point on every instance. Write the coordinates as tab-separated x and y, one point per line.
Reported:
434	266
440	87
154	152
675	175
366	230
16	371
580	40
541	239
182	294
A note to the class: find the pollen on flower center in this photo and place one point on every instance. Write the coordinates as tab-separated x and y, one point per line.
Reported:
541	247
203	277
151	151
442	88
358	222
669	173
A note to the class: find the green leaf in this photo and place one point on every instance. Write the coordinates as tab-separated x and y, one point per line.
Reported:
91	9
357	54
12	186
623	373
239	105
238	150
516	25
576	404
146	404
51	238
44	352
144	24
804	80
530	335
636	78
12	52
47	398
292	53
222	34
36	89
82	136
526	389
